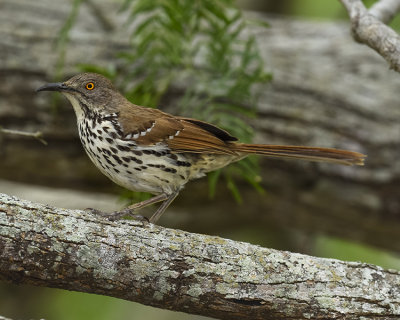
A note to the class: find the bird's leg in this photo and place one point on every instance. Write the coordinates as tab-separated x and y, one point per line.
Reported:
129	210
161	209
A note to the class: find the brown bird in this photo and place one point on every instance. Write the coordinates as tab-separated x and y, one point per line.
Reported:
147	150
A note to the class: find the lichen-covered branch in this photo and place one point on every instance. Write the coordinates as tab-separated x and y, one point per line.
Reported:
369	27
176	270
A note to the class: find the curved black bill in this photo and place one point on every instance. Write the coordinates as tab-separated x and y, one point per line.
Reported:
57	86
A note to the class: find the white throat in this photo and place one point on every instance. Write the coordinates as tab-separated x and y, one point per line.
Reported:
75	104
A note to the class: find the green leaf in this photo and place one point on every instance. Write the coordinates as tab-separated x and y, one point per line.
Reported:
233	188
213	178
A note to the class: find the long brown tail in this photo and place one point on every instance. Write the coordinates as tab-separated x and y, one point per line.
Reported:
305	153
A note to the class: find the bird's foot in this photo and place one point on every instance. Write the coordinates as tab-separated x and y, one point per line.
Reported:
112	216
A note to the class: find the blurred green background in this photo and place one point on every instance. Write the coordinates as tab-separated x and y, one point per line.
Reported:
25	302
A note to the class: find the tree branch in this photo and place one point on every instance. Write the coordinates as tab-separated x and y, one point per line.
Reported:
37	135
368	27
385	10
176	270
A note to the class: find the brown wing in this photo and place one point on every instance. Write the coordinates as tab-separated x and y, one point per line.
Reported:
193	138
218	132
150	126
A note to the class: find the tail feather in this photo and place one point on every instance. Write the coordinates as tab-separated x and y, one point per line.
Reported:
306	153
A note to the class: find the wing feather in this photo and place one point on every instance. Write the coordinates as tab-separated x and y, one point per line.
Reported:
151	126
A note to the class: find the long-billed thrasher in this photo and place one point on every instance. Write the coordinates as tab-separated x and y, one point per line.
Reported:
147	150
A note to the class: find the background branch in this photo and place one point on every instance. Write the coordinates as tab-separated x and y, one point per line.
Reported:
37	135
176	270
368	27
385	10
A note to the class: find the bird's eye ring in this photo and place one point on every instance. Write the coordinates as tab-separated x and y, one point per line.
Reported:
89	86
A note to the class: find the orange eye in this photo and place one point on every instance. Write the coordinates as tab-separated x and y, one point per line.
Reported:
90	86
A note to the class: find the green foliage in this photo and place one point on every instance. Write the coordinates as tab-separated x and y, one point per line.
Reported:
197	53
179	42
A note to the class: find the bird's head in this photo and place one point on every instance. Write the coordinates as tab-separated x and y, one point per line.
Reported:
88	92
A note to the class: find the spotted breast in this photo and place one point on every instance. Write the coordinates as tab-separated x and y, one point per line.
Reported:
122	158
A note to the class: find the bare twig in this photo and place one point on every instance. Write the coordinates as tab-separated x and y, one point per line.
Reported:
37	135
385	10
177	270
368	29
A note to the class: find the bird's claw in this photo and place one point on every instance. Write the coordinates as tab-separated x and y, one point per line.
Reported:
112	216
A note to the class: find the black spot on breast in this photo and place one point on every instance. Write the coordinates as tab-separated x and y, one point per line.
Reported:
138	169
113	135
183	163
137	152
123	148
128	172
116	158
108	160
156	165
162	153
109	140
100	138
99	131
138	161
163	180
116	170
113	150
172	170
91	152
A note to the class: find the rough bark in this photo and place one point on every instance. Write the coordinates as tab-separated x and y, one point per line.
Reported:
327	91
368	27
193	273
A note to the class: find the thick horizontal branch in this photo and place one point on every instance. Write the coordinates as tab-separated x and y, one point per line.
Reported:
176	270
369	28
